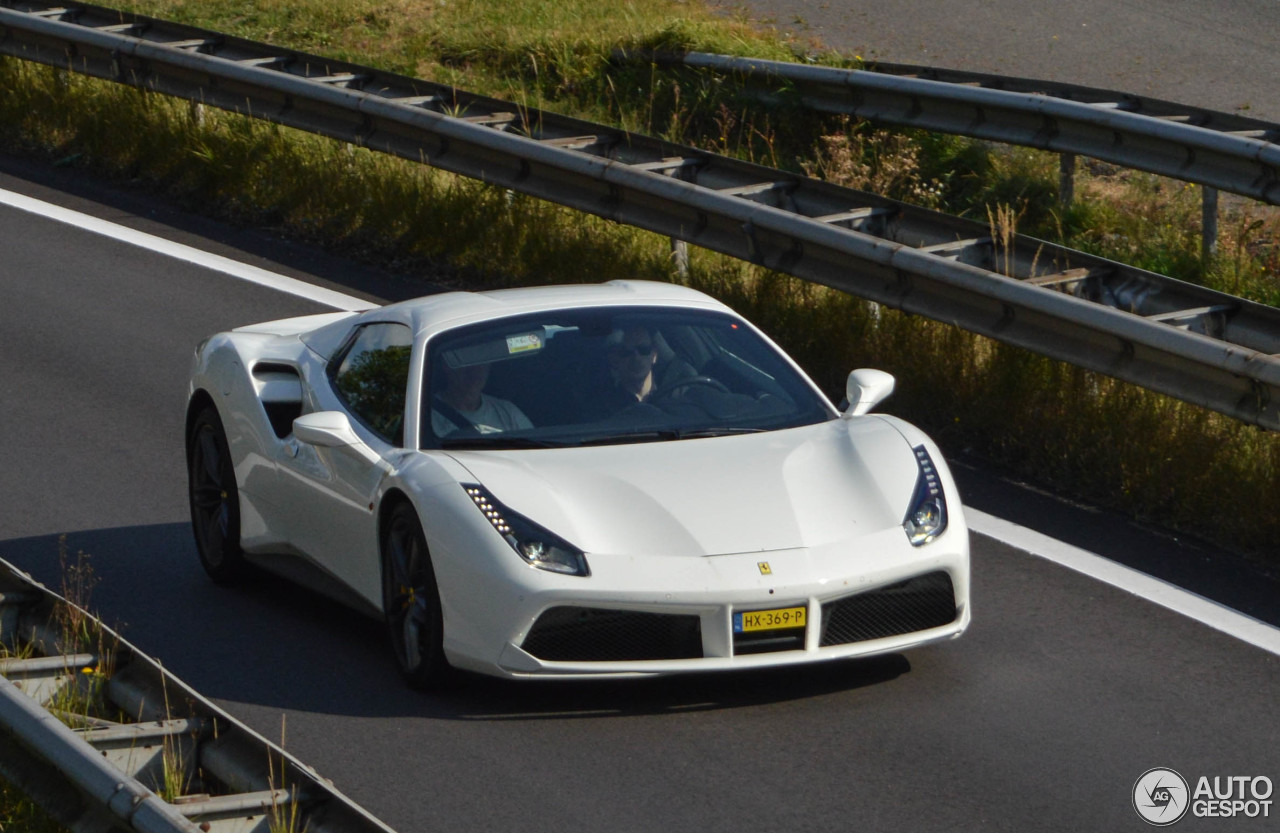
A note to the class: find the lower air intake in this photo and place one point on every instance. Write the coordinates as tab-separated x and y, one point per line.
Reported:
917	604
584	634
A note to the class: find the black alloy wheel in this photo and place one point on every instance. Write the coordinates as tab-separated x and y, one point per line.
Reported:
411	601
215	500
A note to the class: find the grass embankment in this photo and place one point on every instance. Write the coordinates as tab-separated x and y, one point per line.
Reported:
1078	433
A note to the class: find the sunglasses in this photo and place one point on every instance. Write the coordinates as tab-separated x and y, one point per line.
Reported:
622	351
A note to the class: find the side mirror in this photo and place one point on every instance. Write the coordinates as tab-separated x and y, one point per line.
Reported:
332	429
866	389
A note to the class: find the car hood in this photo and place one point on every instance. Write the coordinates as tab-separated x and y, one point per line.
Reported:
800	487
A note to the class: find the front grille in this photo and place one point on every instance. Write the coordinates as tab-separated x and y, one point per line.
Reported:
585	634
767	642
917	604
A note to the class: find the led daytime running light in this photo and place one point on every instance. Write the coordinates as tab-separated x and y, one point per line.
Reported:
537	546
481	499
927	516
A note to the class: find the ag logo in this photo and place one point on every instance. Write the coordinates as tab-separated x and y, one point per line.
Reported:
1160	796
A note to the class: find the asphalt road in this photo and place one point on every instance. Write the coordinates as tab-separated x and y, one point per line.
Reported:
1041	717
1219	55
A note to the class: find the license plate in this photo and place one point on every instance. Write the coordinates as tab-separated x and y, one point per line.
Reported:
769	620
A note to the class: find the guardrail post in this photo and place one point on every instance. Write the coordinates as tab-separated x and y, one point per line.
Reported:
1208	223
680	257
1066	179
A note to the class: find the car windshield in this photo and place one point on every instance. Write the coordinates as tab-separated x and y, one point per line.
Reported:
603	376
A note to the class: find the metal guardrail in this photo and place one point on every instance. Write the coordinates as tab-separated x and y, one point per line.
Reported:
93	731
1205	347
1220	150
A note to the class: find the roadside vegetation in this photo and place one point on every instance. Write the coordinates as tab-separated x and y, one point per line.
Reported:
19	814
1080	434
71	630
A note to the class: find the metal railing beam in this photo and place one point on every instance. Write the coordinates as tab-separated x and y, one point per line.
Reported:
1183	146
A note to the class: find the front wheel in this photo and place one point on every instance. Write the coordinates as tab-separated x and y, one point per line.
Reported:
215	499
411	601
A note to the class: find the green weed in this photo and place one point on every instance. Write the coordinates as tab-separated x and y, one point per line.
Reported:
19	814
285	813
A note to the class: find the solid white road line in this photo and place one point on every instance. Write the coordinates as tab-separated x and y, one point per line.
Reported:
227	266
1211	613
1215	615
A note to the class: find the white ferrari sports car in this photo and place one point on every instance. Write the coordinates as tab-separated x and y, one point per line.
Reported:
588	481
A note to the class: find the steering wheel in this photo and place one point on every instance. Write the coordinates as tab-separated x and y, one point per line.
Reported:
675	385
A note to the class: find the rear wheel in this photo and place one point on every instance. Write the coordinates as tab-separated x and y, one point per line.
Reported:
411	601
215	500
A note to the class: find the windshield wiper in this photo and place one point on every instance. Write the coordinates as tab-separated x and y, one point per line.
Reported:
666	434
645	436
504	441
722	431
498	441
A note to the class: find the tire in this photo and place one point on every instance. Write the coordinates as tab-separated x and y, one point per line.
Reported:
411	601
215	500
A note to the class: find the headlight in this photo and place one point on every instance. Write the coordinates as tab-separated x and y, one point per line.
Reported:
540	547
927	515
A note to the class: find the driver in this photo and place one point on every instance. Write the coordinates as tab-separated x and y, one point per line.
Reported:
464	398
636	370
632	356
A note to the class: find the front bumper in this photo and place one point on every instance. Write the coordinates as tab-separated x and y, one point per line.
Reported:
641	616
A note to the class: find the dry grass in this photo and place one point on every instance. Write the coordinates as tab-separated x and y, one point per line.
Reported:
881	161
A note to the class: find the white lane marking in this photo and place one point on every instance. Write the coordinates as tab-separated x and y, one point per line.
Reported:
1211	613
227	266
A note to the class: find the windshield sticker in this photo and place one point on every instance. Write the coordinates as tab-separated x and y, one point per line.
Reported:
524	343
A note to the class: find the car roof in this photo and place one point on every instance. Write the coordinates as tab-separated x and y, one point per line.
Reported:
437	312
433	313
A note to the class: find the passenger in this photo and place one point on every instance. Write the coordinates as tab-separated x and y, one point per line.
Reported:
464	397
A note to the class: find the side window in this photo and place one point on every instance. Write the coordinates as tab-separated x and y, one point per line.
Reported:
372	378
